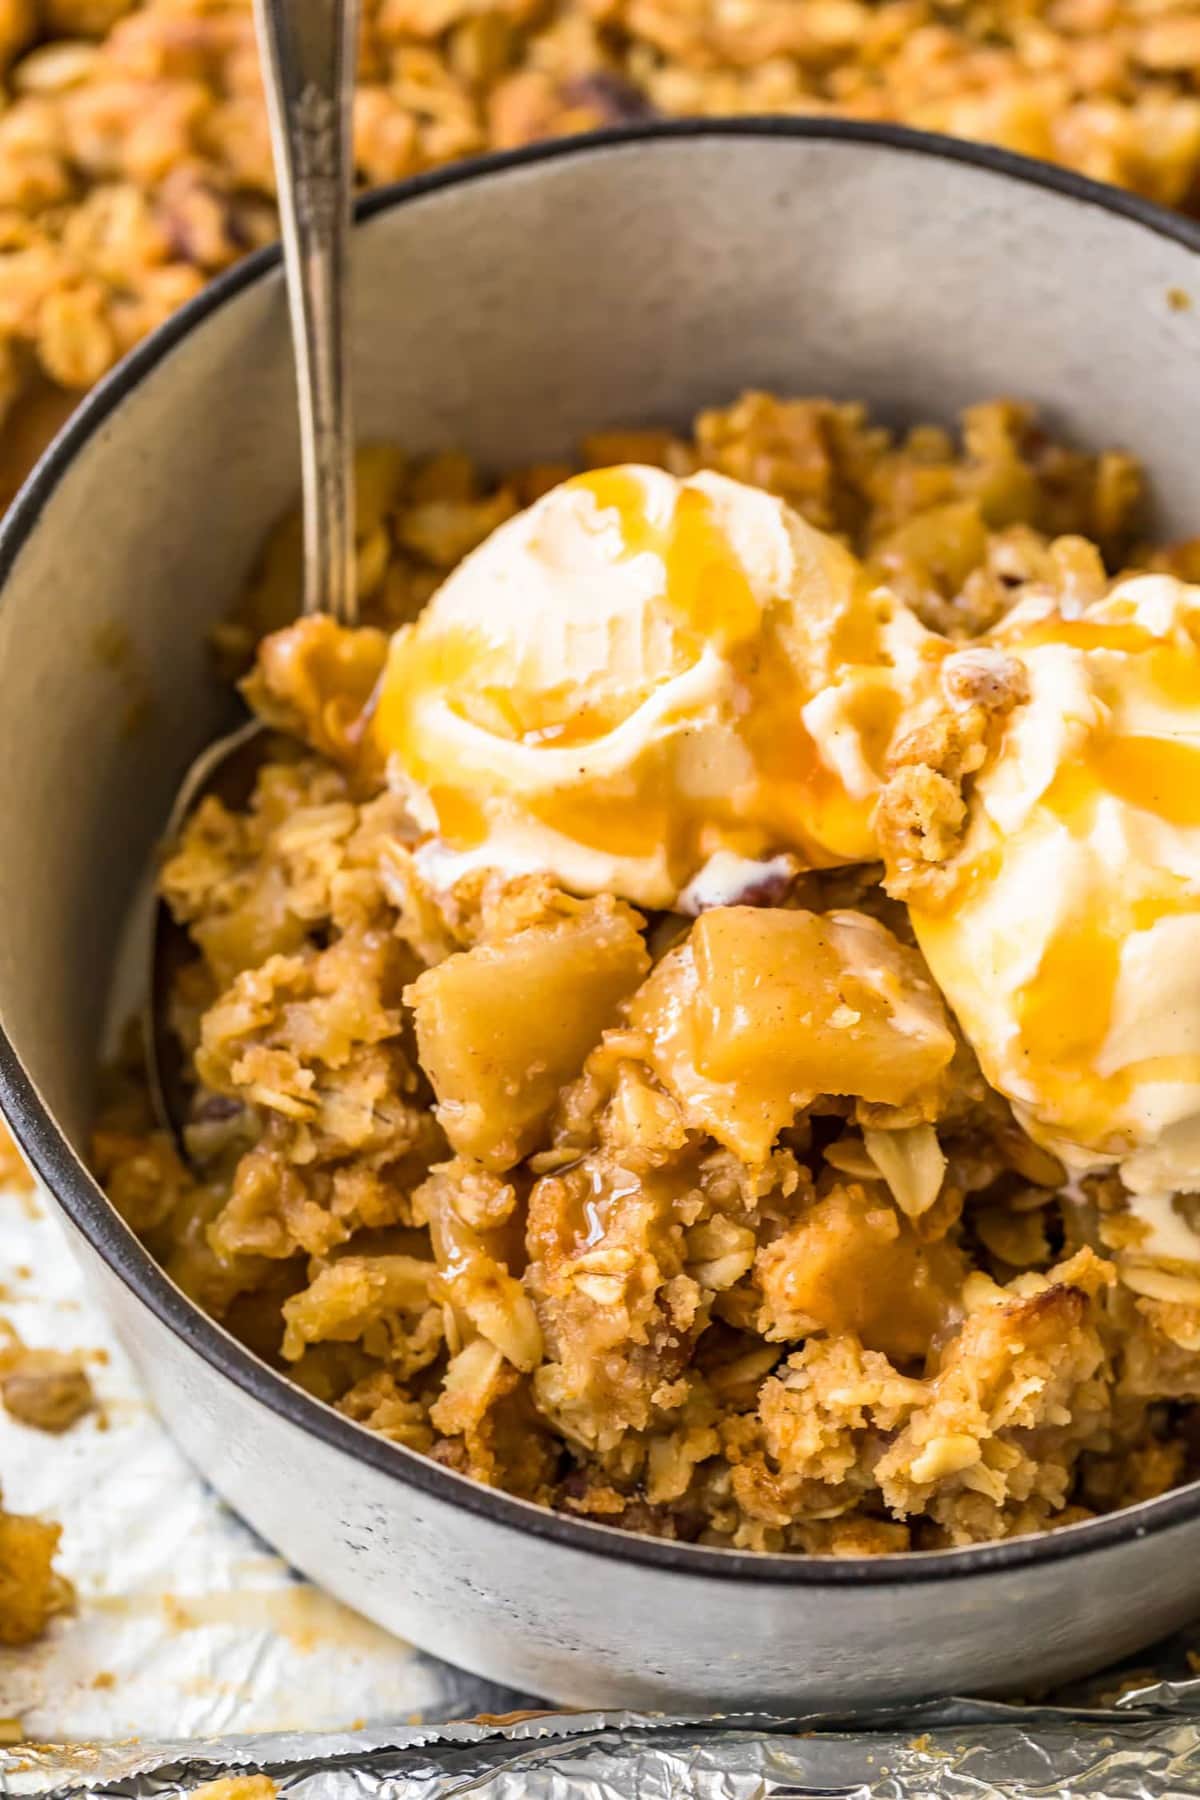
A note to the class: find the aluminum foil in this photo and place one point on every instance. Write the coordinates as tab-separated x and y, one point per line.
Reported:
948	1751
195	1652
187	1625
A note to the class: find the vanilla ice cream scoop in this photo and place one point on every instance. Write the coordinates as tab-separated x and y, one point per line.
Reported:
640	673
1069	943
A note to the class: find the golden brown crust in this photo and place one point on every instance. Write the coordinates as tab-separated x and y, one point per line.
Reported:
922	810
32	1592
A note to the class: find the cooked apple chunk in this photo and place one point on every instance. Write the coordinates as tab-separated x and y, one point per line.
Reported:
502	1027
746	1117
759	1011
850	1263
831	1003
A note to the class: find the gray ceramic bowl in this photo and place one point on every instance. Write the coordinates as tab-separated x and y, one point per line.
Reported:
508	307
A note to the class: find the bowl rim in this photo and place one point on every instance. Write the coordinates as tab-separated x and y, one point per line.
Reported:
74	1189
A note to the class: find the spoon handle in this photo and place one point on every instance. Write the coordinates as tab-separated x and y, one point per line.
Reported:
308	51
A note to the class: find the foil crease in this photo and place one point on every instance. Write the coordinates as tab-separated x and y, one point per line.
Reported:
955	1749
195	1652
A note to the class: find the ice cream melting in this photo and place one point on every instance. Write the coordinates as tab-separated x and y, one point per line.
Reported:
638	674
1069	945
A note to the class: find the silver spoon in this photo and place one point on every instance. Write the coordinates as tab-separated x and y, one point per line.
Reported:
308	52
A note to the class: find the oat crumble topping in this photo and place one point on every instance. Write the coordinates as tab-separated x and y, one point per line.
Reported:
460	1177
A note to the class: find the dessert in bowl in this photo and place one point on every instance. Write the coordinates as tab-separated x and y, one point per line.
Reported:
694	1037
891	1308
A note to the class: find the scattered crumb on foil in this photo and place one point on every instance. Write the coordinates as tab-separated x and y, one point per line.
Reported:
196	1653
186	1624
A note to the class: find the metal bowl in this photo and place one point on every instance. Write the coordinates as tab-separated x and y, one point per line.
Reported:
508	307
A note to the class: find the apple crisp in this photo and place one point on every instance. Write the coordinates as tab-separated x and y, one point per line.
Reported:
703	1221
